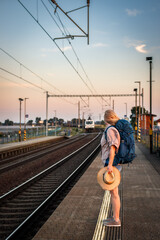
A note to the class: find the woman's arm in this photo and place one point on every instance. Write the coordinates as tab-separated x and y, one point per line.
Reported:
111	158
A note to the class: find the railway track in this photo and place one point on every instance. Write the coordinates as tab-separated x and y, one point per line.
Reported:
12	162
19	207
26	148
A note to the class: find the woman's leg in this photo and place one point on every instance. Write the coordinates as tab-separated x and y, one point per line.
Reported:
115	200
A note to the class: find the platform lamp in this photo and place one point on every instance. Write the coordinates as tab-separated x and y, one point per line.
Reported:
150	125
20	137
135	90
139	115
25	115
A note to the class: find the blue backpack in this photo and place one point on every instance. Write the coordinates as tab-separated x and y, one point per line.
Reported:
126	152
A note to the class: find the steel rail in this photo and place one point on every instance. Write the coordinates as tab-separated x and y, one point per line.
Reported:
35	155
45	171
56	190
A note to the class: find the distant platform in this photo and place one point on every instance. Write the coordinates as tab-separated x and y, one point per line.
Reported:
7	146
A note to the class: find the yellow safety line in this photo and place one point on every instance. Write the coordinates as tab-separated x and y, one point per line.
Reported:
99	231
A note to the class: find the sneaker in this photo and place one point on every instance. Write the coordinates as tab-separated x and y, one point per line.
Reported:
108	220
112	223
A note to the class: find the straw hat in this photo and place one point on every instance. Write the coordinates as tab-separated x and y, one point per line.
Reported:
108	181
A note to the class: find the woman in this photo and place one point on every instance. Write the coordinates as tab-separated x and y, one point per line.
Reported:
109	145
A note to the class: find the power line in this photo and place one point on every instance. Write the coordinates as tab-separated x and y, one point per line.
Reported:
21	64
35	85
65	31
55	44
19	84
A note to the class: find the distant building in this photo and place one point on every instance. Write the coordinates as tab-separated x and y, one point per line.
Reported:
158	122
145	121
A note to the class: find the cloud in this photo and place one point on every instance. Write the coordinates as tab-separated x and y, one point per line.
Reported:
140	48
96	45
137	44
66	48
133	12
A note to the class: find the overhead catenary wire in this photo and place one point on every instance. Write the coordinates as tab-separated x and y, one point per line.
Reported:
20	77
65	31
55	44
19	84
21	64
13	74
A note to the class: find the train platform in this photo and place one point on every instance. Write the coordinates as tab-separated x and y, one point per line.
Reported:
16	148
27	142
80	214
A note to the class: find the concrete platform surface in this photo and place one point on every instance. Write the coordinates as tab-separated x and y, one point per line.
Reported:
141	198
76	216
13	145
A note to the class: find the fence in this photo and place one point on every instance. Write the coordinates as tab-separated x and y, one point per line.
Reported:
11	135
145	138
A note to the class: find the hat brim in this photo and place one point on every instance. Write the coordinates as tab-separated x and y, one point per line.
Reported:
106	186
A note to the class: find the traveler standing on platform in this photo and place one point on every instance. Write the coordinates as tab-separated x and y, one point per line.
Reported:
110	143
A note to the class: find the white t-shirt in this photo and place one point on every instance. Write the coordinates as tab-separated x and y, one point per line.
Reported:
113	139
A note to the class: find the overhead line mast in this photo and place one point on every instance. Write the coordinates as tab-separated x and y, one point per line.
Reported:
66	13
95	95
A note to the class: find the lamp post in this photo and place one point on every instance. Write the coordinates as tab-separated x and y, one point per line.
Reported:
150	126
139	115
20	136
55	122
25	118
79	114
126	109
47	113
135	90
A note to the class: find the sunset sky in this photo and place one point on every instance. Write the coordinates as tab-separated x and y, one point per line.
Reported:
122	34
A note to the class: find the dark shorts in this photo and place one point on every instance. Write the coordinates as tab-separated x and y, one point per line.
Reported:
119	167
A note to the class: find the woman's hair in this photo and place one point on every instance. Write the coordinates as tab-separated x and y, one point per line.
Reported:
110	117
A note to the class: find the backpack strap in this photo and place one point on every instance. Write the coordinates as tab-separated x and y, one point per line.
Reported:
105	132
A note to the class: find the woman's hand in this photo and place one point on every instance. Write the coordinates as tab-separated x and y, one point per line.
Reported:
110	168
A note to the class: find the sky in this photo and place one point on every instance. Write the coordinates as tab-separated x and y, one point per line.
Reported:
122	34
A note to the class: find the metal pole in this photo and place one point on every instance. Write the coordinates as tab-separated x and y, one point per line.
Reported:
142	108
139	114
83	120
46	113
150	126
55	122
113	105
136	113
150	130
20	123
142	100
20	132
139	126
79	114
25	118
126	108
88	3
